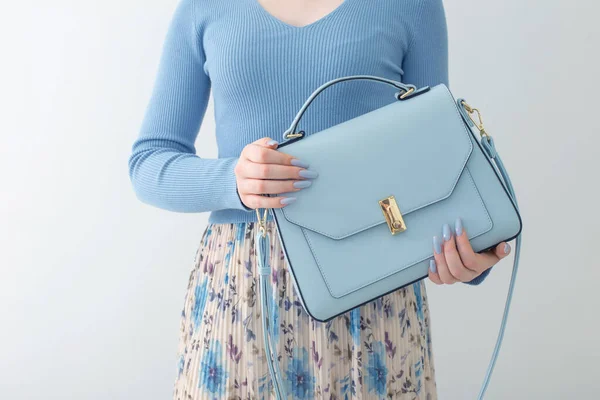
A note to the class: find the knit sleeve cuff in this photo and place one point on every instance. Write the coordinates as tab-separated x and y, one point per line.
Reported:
240	200
232	195
477	280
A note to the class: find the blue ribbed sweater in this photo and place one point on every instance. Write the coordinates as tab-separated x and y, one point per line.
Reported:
260	71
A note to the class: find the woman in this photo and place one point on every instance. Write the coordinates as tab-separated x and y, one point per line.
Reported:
262	59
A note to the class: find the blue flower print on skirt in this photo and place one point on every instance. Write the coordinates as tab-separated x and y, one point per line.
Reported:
213	377
300	382
199	303
378	351
376	368
354	325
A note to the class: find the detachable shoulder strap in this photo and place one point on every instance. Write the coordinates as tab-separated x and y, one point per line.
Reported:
263	249
487	143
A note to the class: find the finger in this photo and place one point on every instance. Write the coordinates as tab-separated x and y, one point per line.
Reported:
470	259
266	142
278	157
265	155
440	261
502	250
275	171
478	262
487	259
433	274
260	201
455	264
271	186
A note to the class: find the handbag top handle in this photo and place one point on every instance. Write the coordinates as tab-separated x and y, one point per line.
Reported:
405	91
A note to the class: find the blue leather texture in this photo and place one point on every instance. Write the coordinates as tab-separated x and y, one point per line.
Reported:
386	136
421	151
335	238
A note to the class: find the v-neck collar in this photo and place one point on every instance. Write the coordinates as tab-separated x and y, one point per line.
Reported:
323	19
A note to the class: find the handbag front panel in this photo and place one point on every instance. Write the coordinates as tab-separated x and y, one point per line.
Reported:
337	268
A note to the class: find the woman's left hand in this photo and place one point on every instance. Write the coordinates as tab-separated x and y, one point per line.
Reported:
454	258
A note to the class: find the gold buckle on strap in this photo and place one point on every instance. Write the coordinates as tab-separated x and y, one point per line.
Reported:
262	223
407	93
479	122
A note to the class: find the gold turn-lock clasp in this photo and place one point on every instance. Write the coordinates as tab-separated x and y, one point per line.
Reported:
392	215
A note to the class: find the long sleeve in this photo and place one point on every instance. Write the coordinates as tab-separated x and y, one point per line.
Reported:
163	166
426	60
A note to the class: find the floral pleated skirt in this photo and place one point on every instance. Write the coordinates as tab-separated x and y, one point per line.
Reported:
381	350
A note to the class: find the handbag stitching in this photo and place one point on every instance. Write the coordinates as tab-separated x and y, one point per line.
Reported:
451	190
409	263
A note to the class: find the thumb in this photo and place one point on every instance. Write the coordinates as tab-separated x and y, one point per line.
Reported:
267	142
502	250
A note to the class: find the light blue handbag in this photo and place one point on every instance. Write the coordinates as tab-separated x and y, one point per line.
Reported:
420	166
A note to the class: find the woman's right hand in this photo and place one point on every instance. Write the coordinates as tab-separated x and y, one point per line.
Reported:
261	169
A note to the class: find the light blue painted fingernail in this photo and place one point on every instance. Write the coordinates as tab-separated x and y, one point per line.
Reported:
272	142
302	184
288	200
307	173
437	244
506	248
432	266
458	228
299	163
446	232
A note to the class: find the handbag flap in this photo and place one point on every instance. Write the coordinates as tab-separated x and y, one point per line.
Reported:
414	150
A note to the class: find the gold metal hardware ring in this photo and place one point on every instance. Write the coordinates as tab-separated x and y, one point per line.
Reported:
262	223
407	93
294	135
479	122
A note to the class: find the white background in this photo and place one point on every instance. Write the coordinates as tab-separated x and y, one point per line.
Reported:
92	281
